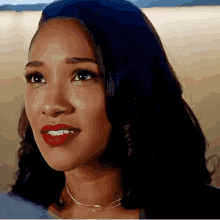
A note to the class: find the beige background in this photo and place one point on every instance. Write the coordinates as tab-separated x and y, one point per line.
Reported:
191	37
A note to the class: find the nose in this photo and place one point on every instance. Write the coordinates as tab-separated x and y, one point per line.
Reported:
55	104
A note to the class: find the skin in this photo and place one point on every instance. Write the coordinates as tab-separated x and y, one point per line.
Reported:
60	98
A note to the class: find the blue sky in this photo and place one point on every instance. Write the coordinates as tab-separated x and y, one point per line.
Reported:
140	3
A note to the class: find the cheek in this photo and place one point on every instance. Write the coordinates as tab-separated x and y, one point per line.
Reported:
32	104
91	107
93	117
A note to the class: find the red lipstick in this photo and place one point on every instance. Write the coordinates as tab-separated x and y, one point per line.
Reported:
60	138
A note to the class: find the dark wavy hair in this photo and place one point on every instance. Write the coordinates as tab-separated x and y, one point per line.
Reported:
156	139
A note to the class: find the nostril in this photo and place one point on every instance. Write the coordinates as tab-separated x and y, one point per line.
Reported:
56	110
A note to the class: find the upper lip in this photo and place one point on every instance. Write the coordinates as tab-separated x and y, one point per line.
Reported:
57	127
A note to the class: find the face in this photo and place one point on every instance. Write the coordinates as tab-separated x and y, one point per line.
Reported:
63	91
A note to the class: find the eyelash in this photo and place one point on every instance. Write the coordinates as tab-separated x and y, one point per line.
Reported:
40	75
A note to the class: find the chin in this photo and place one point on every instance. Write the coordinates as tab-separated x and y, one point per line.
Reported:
61	166
59	163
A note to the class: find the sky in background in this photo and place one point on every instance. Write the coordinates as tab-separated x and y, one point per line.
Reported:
139	3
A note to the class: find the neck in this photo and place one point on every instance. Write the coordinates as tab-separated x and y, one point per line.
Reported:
91	186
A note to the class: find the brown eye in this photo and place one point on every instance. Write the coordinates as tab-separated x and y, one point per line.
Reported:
82	75
34	78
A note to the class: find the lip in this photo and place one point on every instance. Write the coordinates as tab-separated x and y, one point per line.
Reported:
61	139
57	127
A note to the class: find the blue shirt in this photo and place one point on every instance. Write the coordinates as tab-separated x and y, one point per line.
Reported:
15	207
203	203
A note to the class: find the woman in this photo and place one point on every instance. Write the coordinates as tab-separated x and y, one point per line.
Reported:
104	121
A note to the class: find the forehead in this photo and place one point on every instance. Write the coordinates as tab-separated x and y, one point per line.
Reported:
64	36
64	25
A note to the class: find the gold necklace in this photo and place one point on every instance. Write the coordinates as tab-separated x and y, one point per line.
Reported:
94	206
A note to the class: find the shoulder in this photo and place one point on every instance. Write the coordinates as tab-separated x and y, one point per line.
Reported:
205	202
208	195
201	202
15	207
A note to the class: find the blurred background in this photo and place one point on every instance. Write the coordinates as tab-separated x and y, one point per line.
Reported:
190	33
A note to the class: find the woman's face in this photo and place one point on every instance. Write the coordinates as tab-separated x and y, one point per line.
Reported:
63	91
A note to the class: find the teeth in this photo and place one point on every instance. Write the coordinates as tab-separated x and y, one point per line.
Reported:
60	132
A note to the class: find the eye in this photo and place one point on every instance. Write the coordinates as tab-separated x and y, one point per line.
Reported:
82	75
34	78
38	78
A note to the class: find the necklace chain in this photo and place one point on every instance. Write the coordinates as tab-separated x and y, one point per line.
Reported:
94	206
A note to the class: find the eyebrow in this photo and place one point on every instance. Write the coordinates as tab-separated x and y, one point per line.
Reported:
68	61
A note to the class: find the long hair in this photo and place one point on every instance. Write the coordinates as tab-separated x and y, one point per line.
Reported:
156	139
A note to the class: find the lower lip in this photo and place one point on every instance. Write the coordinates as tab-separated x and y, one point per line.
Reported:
59	140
